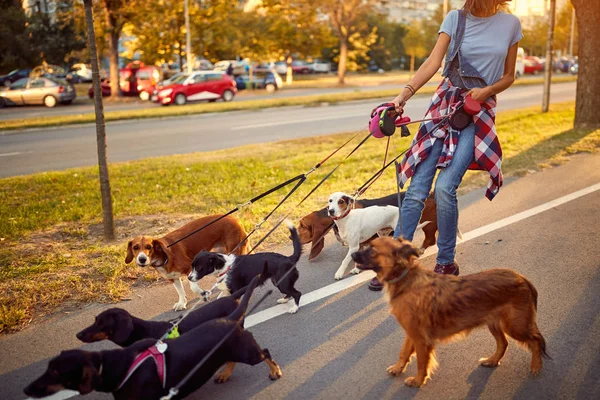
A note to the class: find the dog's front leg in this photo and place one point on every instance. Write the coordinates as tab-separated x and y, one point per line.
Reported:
182	303
425	358
226	373
408	349
346	263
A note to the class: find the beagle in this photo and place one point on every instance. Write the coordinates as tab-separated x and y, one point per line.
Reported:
175	262
357	225
314	226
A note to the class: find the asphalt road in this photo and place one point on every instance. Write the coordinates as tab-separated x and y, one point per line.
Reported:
47	149
341	340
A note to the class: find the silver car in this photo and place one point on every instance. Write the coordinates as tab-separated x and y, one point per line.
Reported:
46	91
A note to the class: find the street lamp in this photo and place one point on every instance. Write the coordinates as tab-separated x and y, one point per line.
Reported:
188	40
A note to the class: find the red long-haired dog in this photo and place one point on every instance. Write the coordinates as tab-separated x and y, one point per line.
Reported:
432	308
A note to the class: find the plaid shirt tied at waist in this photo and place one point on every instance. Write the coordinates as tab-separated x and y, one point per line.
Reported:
487	155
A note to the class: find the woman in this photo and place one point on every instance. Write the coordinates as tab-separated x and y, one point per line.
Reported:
480	43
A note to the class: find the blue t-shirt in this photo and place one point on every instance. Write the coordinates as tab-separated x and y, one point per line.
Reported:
486	41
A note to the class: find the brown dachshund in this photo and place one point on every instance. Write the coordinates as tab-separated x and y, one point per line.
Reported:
175	262
433	308
314	226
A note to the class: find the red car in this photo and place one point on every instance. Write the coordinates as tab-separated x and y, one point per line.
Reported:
300	67
201	85
136	79
104	88
532	65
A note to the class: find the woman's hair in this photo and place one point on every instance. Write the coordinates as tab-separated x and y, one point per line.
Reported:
487	7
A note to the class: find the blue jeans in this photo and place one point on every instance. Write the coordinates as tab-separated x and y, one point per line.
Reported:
445	194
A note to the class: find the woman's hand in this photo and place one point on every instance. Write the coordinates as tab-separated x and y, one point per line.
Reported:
481	94
400	102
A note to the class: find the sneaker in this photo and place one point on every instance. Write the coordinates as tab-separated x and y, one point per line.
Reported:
375	285
449	269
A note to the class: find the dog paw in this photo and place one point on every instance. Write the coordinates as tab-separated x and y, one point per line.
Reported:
283	300
179	306
535	369
222	378
206	295
395	369
294	309
274	375
411	381
355	271
488	362
338	276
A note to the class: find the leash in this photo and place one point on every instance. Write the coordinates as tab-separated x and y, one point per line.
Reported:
301	177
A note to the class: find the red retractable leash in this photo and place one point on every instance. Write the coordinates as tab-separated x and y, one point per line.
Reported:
384	118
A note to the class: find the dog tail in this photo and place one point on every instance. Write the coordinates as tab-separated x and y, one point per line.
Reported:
239	293
240	311
295	240
533	291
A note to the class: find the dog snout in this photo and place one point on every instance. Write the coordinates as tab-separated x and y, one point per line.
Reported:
192	277
331	211
80	335
142	259
361	257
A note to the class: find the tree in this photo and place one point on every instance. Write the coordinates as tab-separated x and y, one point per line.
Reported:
15	49
588	83
388	50
344	17
107	209
414	43
562	31
116	14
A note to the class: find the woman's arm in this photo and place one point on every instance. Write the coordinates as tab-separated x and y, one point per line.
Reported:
425	72
508	77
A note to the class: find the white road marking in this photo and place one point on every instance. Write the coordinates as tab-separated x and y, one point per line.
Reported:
16	153
353	280
294	121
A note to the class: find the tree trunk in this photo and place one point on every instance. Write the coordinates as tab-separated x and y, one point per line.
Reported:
343	59
107	209
113	48
549	48
412	65
588	82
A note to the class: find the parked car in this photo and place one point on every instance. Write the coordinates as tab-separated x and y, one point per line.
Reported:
136	79
201	85
532	65
300	67
280	67
50	71
520	63
320	67
13	76
41	90
574	69
263	67
104	88
81	72
270	81
239	67
563	64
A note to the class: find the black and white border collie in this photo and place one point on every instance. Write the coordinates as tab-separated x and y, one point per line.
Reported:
235	272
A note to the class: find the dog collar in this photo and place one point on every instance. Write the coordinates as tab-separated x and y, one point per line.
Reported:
224	272
344	215
399	278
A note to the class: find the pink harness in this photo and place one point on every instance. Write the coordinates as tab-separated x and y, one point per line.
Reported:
159	359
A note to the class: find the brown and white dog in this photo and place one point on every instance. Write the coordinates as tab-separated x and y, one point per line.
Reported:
175	262
433	308
314	226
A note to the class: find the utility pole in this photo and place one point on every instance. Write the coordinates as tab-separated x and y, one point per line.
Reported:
188	40
549	45
572	33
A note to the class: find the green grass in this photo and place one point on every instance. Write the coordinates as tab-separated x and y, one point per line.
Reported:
52	255
202	108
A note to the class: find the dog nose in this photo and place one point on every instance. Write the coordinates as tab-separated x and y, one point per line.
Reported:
331	211
143	259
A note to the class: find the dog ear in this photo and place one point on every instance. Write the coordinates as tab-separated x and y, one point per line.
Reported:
319	230
405	252
159	249
89	378
121	329
129	257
